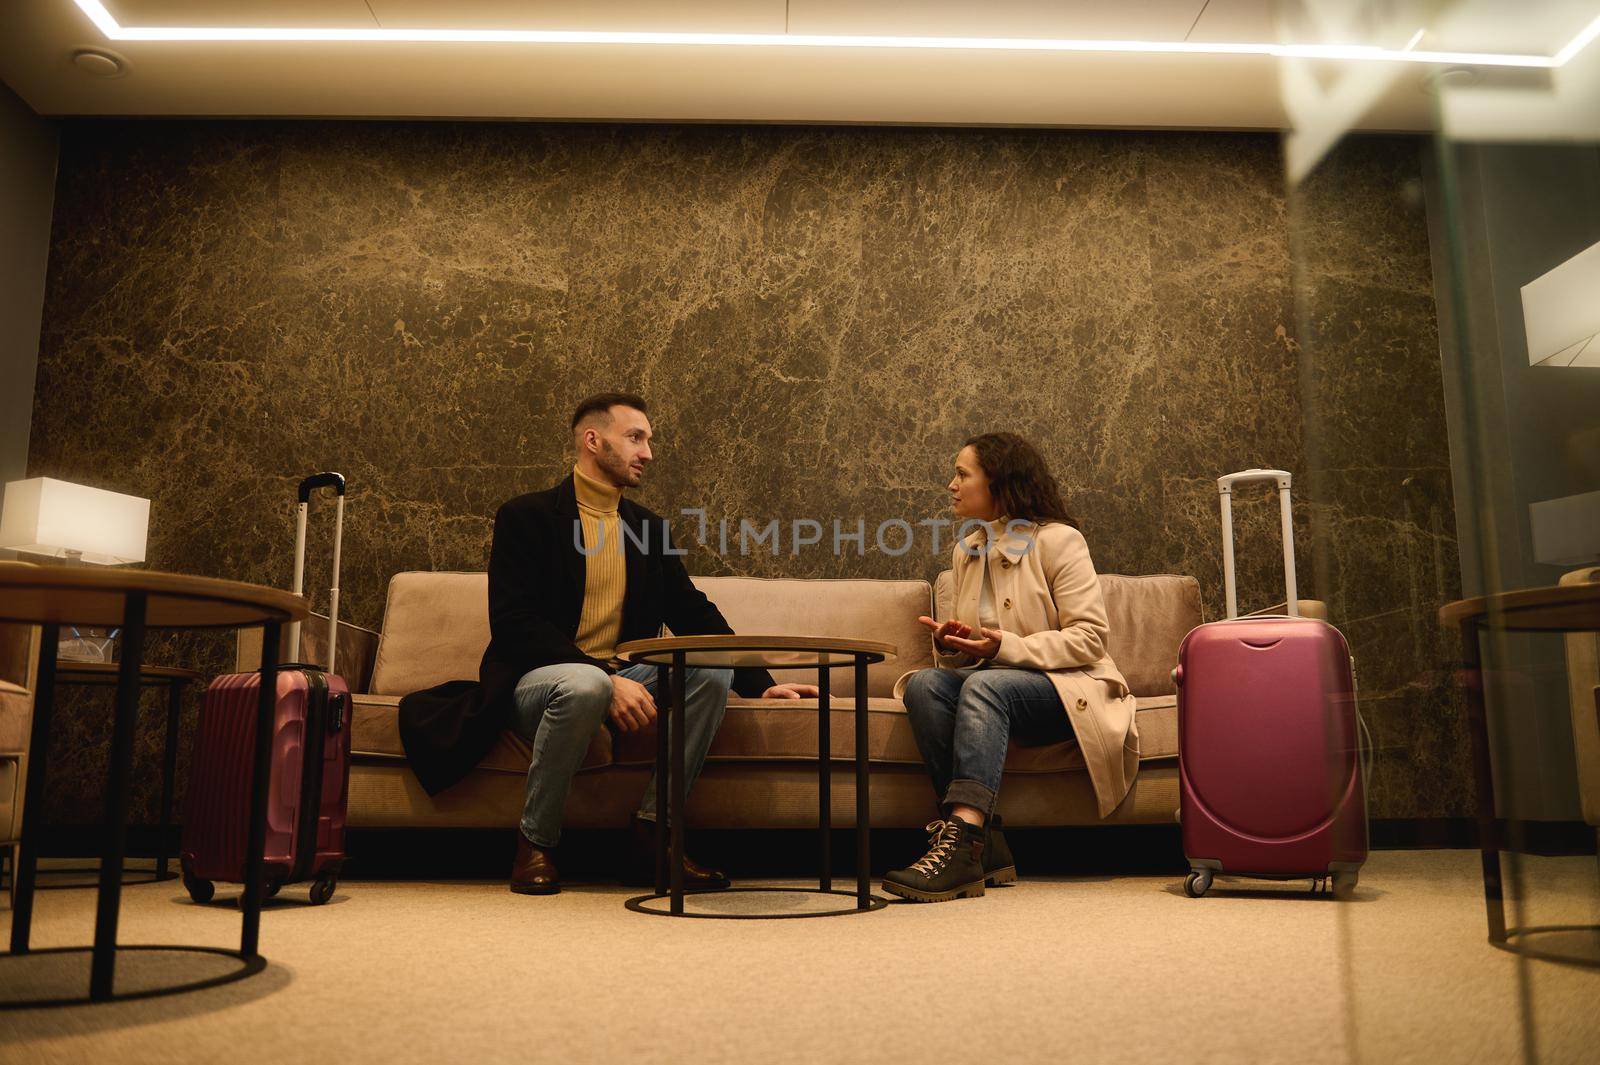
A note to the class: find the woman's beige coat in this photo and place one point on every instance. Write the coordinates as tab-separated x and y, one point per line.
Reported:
1053	617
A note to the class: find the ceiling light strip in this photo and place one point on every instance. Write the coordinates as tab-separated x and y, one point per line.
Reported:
113	30
1578	43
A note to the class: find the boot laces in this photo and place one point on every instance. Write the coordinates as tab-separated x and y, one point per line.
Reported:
943	836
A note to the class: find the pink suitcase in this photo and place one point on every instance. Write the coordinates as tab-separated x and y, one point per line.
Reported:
1270	767
308	788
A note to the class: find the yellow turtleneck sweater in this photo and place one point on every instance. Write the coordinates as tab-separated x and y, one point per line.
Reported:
605	578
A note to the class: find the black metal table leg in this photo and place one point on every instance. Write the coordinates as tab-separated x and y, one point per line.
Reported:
825	775
102	972
169	774
1488	830
679	789
663	806
27	864
863	795
255	858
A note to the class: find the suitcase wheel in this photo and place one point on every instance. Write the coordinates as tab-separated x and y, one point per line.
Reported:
1197	883
199	890
322	889
1344	884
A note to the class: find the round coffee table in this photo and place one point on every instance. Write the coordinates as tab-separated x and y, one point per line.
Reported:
674	655
135	600
1564	608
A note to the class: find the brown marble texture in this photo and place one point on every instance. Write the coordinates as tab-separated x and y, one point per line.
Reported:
818	317
1377	464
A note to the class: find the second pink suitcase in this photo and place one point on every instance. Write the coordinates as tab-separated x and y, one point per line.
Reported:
309	778
1269	756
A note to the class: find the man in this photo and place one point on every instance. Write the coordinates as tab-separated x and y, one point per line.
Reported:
574	571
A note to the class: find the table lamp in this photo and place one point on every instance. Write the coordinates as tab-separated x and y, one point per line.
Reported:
77	525
1561	313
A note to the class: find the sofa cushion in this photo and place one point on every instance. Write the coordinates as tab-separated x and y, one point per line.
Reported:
766	730
16	717
435	628
1148	616
773	730
1157	718
436	625
375	734
786	729
849	609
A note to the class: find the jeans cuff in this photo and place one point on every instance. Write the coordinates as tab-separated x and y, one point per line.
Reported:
533	837
969	793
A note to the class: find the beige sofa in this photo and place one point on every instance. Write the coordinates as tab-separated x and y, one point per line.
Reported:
19	670
761	772
1583	677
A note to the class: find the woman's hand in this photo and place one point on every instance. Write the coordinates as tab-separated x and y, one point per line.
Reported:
944	630
987	647
954	636
792	691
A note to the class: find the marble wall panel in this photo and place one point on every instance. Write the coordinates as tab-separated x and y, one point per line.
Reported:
819	318
1378	462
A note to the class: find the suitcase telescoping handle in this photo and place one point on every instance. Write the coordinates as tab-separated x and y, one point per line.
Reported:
307	486
1225	487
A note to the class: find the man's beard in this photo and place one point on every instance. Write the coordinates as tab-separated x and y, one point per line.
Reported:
621	474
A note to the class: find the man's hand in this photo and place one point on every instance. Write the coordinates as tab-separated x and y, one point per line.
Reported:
631	706
954	636
792	691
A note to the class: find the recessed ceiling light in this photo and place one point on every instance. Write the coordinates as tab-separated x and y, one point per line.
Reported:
99	63
1435	81
115	31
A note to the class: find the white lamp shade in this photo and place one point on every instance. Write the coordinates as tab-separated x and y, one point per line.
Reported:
1561	313
1566	531
43	516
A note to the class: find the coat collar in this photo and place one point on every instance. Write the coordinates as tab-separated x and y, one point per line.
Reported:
567	497
1012	538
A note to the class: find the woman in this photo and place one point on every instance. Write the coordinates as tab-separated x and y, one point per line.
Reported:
1022	657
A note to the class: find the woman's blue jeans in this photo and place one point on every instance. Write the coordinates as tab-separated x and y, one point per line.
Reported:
963	719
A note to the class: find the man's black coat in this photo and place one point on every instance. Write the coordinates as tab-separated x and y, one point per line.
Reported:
536	578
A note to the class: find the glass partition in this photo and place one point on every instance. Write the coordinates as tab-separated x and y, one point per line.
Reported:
1446	311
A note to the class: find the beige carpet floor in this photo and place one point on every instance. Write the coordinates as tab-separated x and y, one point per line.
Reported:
1116	969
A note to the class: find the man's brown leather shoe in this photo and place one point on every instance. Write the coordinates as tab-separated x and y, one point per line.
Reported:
533	872
641	867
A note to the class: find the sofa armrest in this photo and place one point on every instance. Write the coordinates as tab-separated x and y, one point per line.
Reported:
358	649
19	655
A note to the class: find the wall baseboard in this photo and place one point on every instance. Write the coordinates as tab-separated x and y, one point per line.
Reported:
1077	851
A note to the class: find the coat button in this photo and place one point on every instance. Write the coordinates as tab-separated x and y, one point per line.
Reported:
1005	563
1083	704
1008	604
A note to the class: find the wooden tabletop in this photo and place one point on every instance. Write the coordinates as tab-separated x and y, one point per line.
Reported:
106	672
761	652
95	595
1562	608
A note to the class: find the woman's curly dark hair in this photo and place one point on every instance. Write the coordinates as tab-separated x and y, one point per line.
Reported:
1019	480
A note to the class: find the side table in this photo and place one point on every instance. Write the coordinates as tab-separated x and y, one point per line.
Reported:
175	680
51	596
674	655
1565	608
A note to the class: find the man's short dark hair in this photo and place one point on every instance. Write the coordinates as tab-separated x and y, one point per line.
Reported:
602	402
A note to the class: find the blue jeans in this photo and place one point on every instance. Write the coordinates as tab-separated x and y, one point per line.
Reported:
962	719
558	708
